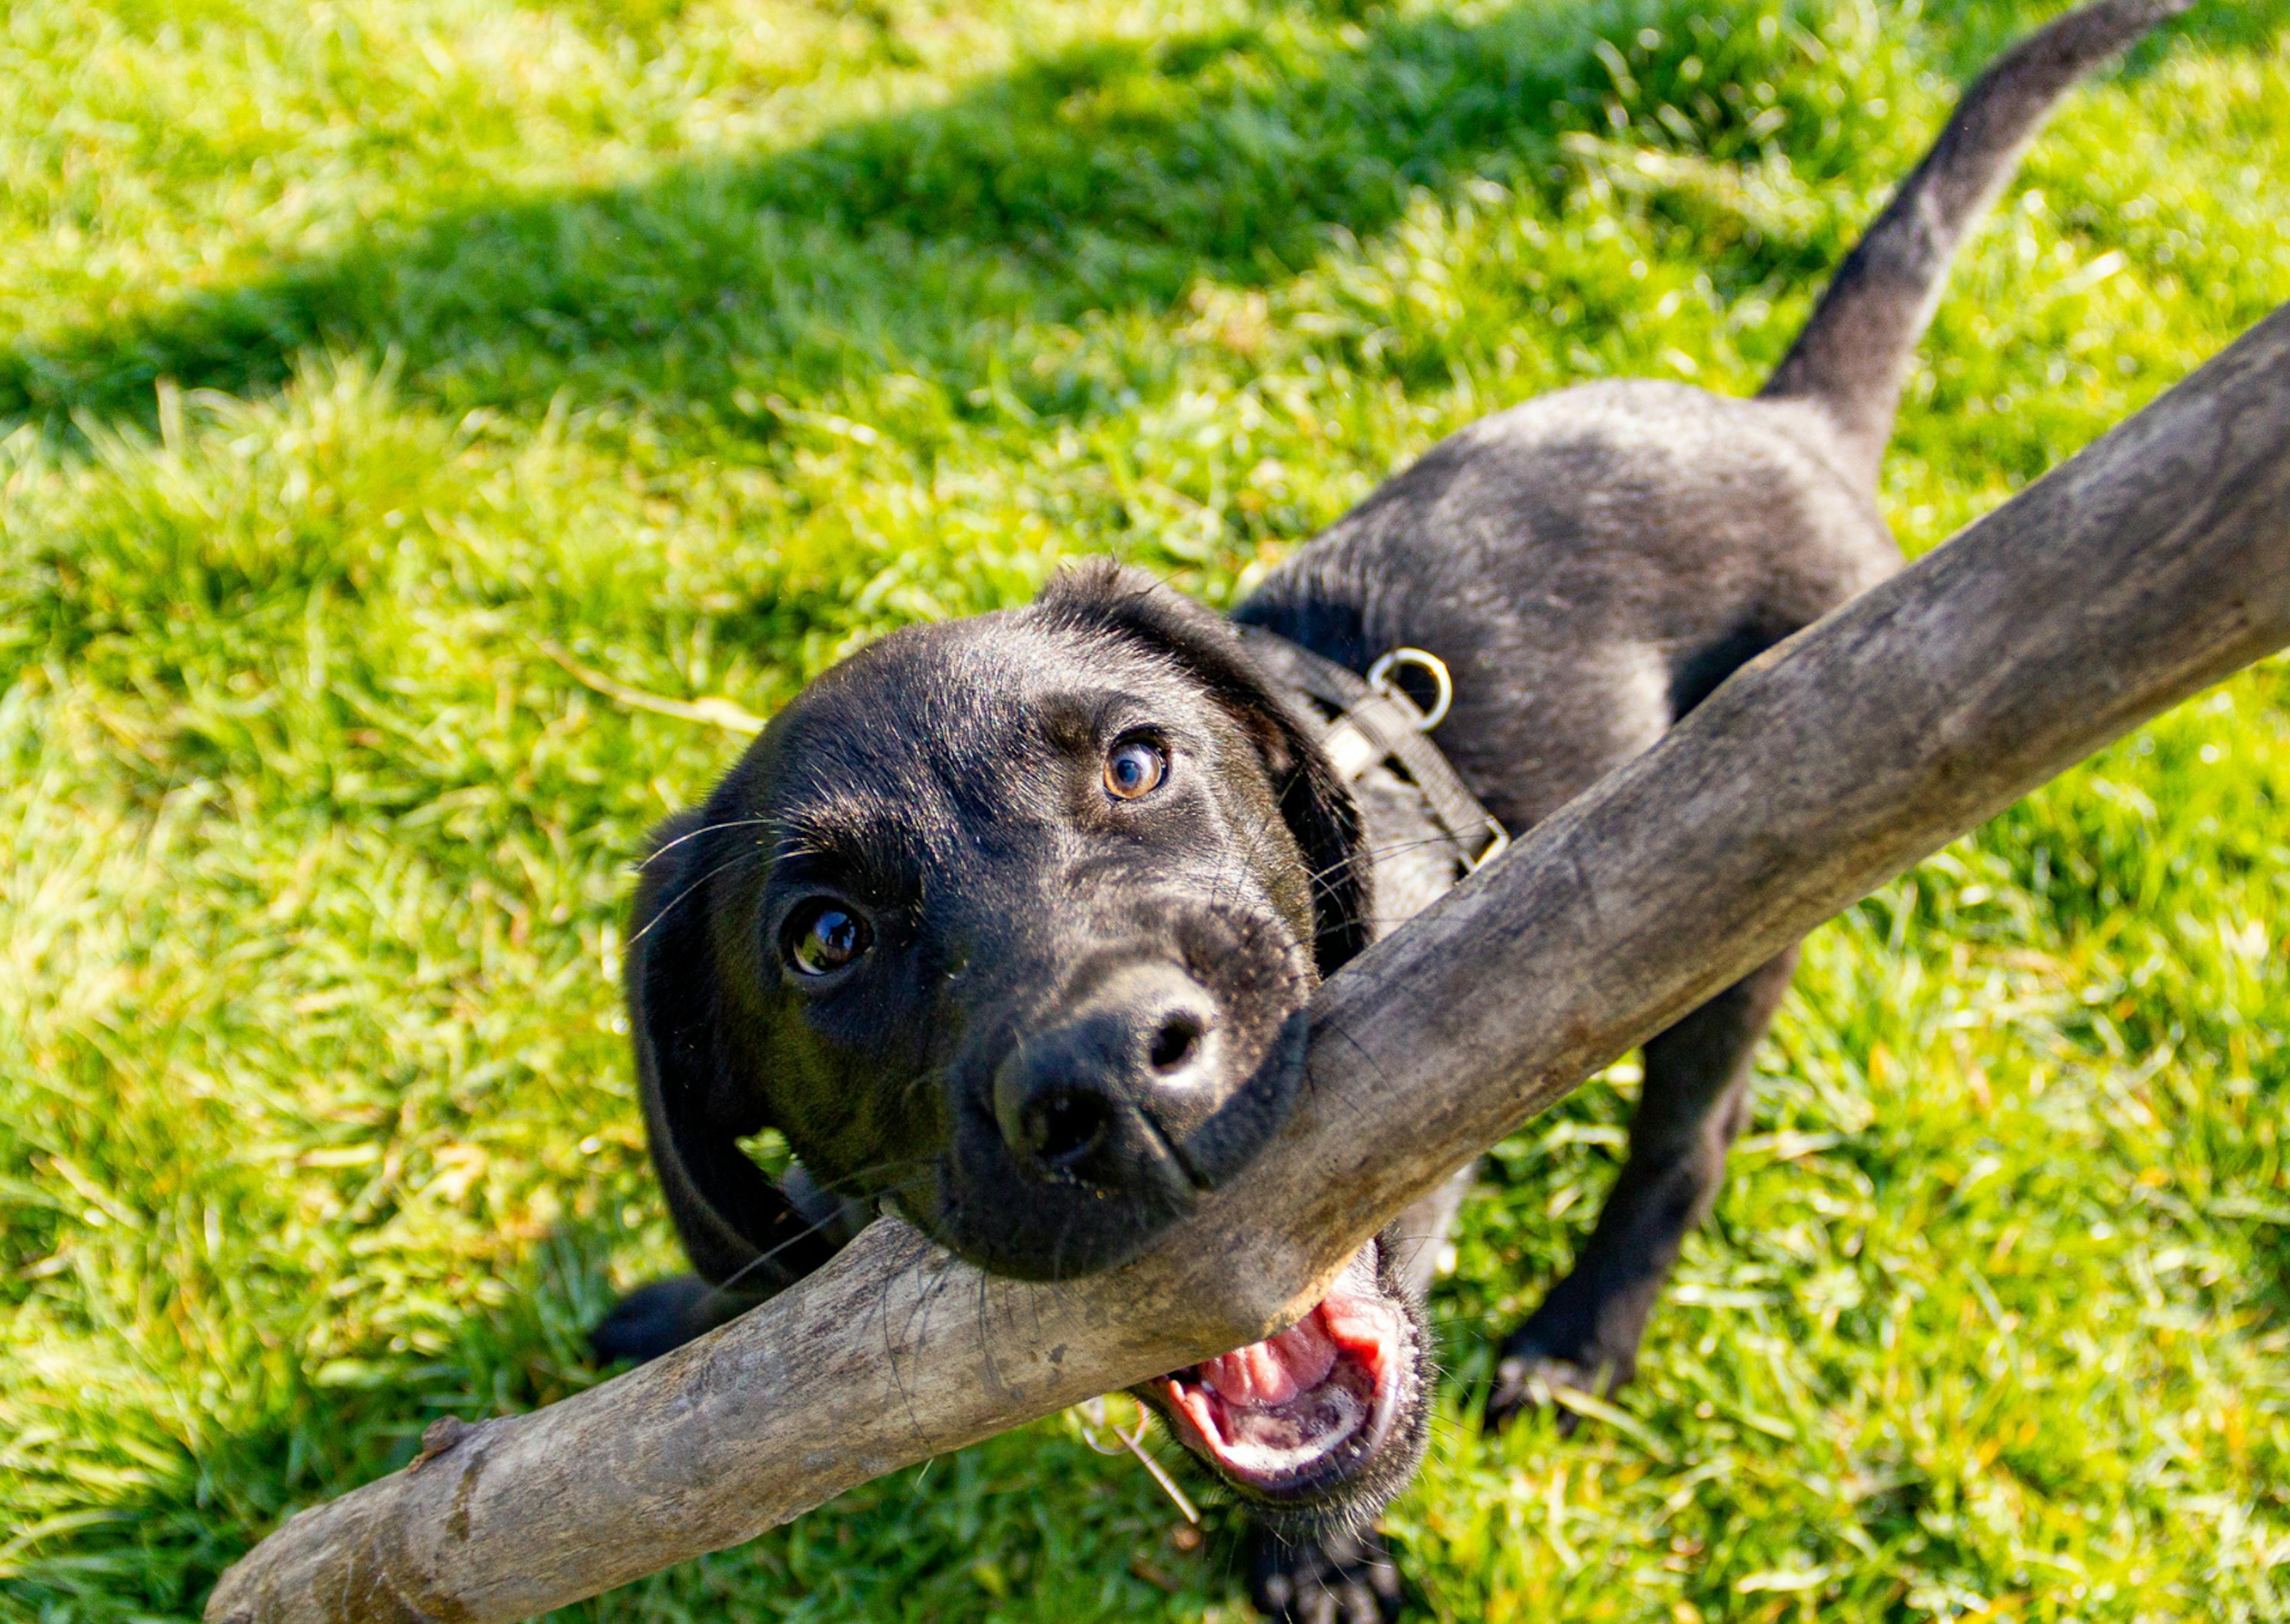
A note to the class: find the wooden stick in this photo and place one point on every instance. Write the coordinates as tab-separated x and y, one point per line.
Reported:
2153	565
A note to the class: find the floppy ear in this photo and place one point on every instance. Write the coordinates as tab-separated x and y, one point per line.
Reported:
1313	803
736	1225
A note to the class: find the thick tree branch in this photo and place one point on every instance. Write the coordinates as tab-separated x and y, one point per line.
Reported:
2153	565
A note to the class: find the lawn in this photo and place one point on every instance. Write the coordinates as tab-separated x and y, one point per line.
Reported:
360	358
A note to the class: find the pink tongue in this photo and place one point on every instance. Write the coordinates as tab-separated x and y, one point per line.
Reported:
1272	1373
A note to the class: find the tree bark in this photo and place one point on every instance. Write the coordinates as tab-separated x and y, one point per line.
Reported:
2151	565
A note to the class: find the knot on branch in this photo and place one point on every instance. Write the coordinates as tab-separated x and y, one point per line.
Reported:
437	1438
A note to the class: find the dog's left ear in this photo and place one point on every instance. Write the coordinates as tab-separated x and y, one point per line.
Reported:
1313	803
699	1101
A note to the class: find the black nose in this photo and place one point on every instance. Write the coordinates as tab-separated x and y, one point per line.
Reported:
1075	1094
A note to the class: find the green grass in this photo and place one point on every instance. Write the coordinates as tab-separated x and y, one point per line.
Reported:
349	353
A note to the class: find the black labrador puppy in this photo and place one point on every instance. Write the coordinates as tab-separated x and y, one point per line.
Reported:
1002	922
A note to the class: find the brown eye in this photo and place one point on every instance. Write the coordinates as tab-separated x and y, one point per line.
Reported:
823	937
1134	769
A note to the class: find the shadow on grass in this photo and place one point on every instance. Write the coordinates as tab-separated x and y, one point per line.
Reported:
1109	177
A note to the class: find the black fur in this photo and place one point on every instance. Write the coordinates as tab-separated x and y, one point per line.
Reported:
1339	1578
1079	1009
945	784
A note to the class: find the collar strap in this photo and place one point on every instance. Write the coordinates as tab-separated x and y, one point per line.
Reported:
1361	722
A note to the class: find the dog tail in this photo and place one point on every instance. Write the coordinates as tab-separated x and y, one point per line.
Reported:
1852	356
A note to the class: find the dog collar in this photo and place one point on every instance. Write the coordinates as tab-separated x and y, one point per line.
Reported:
1364	722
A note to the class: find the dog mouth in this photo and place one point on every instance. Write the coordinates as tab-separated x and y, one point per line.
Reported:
1296	1414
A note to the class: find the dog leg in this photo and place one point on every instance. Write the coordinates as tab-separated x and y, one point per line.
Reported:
1344	1579
1696	1096
664	1315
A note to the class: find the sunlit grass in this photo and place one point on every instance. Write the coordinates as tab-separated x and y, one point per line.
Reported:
354	353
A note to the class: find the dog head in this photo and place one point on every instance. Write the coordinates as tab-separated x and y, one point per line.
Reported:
1008	923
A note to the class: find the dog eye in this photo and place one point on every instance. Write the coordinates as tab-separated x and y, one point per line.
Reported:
1134	769
823	937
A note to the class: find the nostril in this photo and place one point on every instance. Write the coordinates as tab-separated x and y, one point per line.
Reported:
1176	1043
1062	1128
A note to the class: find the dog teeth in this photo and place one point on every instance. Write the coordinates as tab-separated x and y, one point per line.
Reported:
1276	1409
1273	1372
1197	1406
1363	1328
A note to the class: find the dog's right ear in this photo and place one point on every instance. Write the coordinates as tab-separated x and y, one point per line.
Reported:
739	1227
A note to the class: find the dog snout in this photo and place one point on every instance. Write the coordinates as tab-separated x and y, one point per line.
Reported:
1140	1044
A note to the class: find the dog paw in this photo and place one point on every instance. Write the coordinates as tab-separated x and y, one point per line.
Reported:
1344	1579
653	1319
1529	1376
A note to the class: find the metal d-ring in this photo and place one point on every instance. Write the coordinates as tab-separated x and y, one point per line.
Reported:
1379	677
